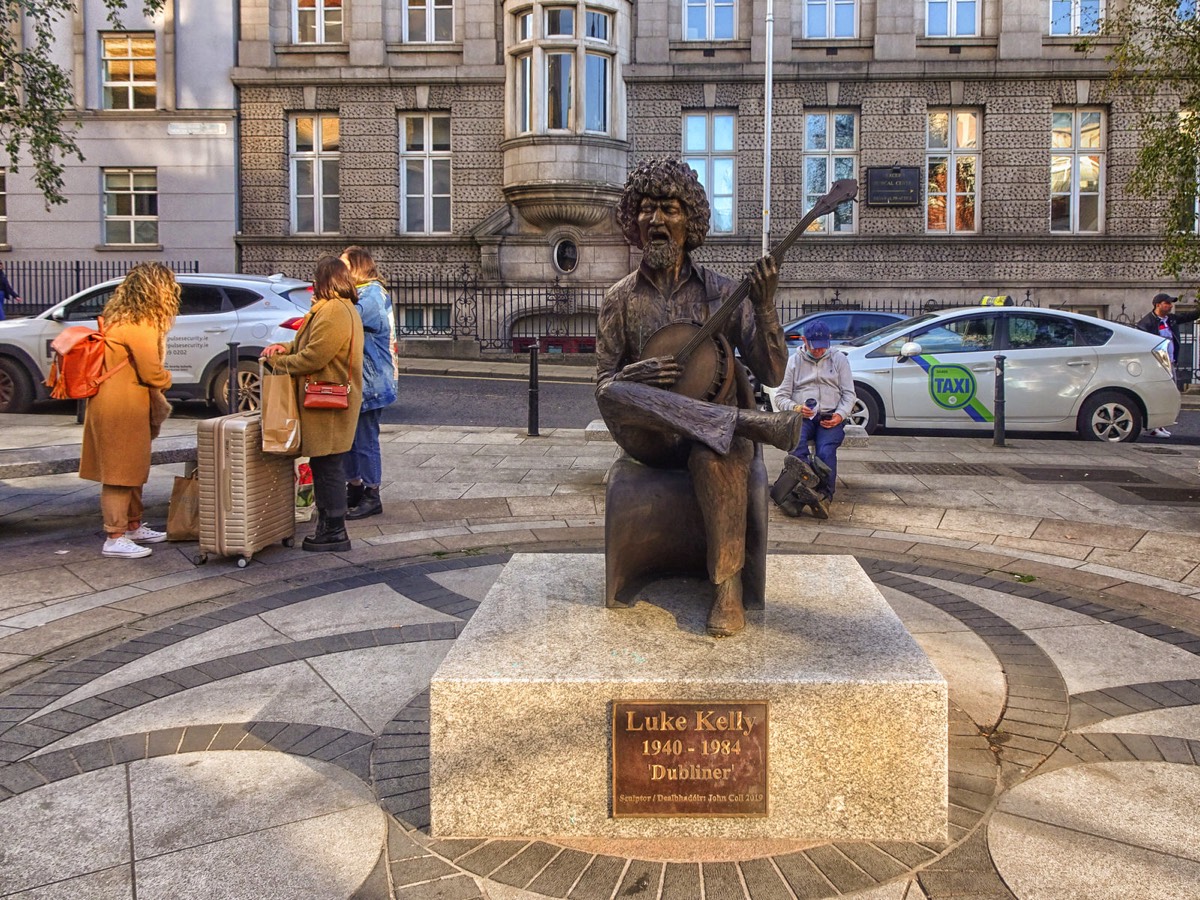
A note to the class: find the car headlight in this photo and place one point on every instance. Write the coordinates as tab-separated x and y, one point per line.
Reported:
1163	356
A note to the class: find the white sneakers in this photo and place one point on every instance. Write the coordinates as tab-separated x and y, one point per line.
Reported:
144	535
123	548
127	546
1159	433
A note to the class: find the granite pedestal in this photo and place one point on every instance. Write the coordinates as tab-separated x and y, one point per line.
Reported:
520	740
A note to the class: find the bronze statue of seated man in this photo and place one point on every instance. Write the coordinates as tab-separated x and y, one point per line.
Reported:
671	406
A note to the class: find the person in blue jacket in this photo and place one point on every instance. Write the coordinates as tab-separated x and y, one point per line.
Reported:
365	466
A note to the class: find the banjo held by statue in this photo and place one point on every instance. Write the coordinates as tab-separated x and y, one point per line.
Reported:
704	354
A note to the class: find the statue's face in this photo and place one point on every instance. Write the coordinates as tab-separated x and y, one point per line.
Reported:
662	220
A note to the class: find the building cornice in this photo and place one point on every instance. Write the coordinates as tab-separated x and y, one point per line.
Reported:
337	75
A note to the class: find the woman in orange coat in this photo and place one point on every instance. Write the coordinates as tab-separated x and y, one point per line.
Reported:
116	429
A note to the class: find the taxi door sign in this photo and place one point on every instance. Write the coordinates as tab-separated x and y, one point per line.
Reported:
951	387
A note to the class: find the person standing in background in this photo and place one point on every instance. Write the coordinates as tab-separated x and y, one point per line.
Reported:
328	347
1164	321
6	291
365	463
116	426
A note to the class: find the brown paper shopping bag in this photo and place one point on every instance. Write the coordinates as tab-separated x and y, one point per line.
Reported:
183	514
280	415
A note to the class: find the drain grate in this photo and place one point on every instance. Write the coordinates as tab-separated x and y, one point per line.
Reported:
899	468
1158	451
1173	495
1076	475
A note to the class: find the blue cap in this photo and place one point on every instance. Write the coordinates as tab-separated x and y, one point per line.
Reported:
817	335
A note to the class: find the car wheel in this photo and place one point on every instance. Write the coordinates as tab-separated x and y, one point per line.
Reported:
865	412
16	387
1110	416
248	388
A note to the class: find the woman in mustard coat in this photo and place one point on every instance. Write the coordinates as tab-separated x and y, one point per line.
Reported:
328	347
116	427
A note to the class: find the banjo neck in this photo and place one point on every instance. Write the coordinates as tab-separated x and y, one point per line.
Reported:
844	189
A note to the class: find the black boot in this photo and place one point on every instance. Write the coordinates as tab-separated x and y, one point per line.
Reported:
369	505
794	488
320	522
354	494
332	538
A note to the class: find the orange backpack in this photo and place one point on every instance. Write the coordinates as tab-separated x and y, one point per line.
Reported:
78	368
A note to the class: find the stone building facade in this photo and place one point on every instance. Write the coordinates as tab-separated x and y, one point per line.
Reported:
157	132
498	136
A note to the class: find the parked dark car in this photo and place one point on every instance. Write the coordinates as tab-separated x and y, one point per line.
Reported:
844	325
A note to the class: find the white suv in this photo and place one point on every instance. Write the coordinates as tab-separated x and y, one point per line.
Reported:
214	310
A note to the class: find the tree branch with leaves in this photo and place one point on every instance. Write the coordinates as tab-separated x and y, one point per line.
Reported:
1153	47
37	96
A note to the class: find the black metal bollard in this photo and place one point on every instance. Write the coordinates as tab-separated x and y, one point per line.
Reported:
232	362
80	411
533	391
998	421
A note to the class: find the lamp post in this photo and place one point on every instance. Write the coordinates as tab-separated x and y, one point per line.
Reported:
768	93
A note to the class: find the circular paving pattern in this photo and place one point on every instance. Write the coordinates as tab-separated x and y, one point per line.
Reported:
278	747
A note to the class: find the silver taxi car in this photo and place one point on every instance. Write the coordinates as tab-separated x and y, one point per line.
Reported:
214	311
1063	372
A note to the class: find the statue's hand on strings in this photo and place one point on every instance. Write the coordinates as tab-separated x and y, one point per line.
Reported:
658	371
764	278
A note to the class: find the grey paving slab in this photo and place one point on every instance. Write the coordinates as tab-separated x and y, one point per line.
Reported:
722	881
187	800
681	881
1044	861
404	671
472	582
525	866
329	855
803	877
599	879
38	850
1178	722
42	585
1149	805
1096	656
562	872
763	881
110	884
641	879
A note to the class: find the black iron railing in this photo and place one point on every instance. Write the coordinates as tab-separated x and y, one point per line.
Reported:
42	283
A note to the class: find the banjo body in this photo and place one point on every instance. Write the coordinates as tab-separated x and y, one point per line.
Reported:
710	370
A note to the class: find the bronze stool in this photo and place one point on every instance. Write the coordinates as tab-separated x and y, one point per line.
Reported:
653	528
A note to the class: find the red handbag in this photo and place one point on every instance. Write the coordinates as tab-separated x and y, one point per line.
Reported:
329	394
326	395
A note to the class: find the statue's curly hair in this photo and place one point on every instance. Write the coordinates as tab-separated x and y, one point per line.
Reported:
664	177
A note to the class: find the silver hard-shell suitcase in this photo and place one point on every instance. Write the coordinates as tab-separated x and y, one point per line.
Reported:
247	497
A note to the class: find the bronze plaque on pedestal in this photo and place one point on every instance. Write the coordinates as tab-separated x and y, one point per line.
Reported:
684	758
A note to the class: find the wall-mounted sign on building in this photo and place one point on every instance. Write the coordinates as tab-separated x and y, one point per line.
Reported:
205	128
893	186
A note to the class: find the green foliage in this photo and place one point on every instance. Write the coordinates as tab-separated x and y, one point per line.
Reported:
37	97
1153	47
